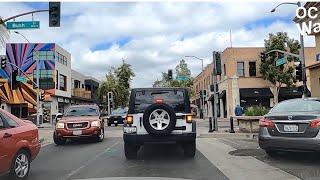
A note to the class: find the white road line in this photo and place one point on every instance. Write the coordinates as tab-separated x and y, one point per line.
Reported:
89	161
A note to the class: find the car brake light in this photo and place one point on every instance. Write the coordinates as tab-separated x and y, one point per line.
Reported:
315	123
129	119
188	118
266	123
159	101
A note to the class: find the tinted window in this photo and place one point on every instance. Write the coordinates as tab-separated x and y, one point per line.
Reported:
11	119
145	98
82	111
297	106
12	123
119	111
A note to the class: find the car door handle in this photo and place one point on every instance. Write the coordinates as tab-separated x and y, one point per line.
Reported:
6	135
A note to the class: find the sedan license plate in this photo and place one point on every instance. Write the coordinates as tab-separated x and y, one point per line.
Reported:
115	121
290	128
77	132
129	129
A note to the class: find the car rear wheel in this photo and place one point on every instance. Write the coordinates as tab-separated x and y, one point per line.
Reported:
130	151
59	140
20	165
189	149
271	153
100	137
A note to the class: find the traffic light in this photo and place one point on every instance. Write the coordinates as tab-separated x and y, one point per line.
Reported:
54	14
3	62
218	63
14	81
170	74
263	56
42	97
299	73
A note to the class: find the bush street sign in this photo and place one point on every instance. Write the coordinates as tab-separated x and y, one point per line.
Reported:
23	25
281	61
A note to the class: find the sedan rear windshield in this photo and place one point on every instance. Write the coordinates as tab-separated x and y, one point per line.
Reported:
297	106
145	98
81	111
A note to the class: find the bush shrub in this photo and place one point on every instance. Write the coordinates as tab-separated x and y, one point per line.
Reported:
256	111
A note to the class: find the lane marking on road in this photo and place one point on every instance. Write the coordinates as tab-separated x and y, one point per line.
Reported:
90	161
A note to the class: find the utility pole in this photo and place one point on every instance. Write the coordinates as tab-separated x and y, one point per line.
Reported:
215	110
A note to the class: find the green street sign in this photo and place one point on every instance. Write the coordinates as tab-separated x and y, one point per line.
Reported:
182	78
21	79
281	61
23	25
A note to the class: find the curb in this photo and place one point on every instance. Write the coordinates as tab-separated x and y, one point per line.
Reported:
225	135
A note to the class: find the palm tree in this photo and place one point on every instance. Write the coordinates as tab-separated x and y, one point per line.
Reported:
4	34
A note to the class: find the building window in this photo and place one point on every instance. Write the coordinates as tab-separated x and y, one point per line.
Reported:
76	84
252	69
43	55
224	69
45	79
62	82
240	69
62	59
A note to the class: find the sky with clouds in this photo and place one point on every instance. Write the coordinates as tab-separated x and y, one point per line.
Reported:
153	36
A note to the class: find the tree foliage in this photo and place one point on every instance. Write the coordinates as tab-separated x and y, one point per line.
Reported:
284	74
180	70
118	81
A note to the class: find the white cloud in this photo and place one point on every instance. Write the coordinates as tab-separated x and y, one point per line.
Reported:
160	33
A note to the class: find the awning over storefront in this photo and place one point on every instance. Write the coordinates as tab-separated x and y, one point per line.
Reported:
255	93
292	92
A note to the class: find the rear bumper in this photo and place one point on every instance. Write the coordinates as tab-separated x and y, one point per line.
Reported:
115	120
89	132
133	138
285	143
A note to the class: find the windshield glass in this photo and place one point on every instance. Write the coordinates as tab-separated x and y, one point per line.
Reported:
81	111
119	111
299	105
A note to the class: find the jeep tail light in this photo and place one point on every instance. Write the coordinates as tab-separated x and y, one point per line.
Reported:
129	119
159	101
315	123
264	122
188	118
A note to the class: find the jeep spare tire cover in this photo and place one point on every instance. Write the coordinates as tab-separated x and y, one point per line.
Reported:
159	119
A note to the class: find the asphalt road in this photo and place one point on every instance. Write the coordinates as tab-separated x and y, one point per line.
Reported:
87	159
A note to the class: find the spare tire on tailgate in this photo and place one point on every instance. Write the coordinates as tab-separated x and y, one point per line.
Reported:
159	119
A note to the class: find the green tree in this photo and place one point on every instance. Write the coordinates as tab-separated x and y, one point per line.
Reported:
180	70
117	81
284	74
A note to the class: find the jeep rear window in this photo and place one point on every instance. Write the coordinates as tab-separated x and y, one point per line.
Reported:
145	98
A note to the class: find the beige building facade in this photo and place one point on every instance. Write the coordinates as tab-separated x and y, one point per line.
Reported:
241	82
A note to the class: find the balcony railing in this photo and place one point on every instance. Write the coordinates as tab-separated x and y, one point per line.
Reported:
79	92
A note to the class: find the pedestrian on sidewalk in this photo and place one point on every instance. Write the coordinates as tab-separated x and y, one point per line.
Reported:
238	110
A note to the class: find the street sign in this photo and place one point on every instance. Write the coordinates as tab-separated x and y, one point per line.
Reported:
23	25
21	79
182	78
281	61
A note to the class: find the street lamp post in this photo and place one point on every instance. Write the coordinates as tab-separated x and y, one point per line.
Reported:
202	89
302	58
37	81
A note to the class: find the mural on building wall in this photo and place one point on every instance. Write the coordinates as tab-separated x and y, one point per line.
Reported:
24	56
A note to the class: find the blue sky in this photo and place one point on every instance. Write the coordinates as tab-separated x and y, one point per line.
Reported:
153	37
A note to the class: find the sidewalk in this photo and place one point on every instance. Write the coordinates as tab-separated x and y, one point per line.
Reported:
223	129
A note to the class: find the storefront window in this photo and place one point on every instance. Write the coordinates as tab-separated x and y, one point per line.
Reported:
45	79
62	82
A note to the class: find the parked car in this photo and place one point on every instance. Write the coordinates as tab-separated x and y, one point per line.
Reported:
19	140
117	116
79	121
159	115
291	125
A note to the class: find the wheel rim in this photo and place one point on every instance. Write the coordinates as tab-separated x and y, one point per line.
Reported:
101	136
159	119
21	165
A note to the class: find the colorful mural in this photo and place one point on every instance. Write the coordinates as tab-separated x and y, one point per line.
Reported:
24	56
